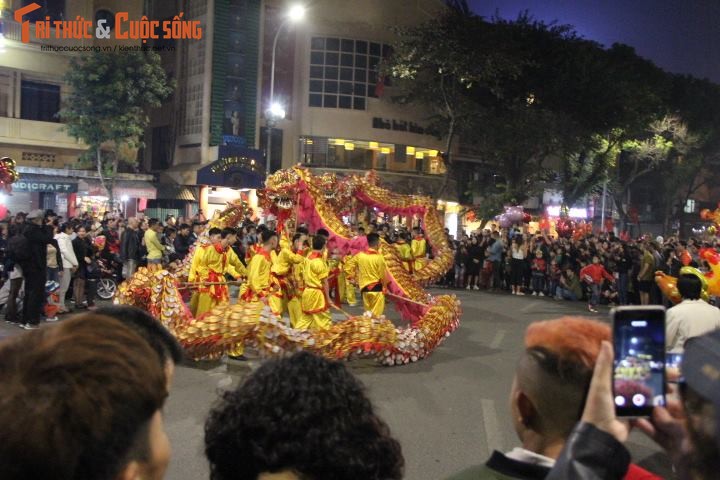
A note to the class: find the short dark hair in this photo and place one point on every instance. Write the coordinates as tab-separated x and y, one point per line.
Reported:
183	226
689	286
297	237
227	231
318	242
152	222
322	232
145	325
373	239
267	235
169	230
303	230
214	231
305	414
76	400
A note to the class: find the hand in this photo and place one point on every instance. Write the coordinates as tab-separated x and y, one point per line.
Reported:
666	427
599	407
87	260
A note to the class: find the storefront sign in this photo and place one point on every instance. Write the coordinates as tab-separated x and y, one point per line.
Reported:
236	167
401	126
51	187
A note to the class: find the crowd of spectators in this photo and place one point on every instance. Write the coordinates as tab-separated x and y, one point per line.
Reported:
600	269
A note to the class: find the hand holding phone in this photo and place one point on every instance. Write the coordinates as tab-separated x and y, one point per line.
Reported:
639	365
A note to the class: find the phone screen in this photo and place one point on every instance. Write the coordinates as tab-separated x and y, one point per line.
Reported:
673	361
639	367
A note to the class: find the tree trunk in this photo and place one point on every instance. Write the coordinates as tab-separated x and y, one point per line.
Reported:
98	155
448	162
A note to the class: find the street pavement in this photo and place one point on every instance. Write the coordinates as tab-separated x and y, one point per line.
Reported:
449	411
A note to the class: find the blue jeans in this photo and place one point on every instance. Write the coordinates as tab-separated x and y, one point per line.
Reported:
566	294
594	294
538	282
622	287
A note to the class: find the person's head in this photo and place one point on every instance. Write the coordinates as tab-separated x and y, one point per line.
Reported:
304	416
538	254
269	239
318	242
298	241
36	216
152	331
373	240
495	234
66	228
569	272
80	231
133	223
689	286
595	259
184	229
552	378
214	233
170	233
322	233
154	224
197	228
229	235
361	231
82	399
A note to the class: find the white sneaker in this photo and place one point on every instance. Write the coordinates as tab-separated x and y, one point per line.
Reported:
467	288
520	293
476	287
534	294
541	294
51	319
29	326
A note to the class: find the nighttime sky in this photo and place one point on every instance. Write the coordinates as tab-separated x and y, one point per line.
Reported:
681	36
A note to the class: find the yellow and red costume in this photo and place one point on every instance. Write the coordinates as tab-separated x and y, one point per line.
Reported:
335	287
418	245
405	253
314	302
210	263
371	268
280	273
345	277
297	285
257	287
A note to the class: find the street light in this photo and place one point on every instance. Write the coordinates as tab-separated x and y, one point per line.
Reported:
276	112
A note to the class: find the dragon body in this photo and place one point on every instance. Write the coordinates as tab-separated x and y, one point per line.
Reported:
318	201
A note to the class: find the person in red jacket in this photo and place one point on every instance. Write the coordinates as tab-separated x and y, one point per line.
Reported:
593	275
539	274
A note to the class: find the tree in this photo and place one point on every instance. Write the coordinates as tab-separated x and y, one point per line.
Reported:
108	105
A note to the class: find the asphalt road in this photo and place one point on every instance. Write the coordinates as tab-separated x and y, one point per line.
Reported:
449	411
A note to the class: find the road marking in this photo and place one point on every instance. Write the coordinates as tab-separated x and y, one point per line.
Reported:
529	307
493	435
499	337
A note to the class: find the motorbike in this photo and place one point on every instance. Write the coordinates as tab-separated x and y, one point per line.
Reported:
109	278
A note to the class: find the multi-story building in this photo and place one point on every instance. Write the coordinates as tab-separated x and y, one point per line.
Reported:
31	94
339	116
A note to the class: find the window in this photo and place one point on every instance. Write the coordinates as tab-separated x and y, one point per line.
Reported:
689	206
39	101
348	70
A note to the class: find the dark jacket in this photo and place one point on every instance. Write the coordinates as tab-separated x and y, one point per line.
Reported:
591	454
38	237
182	245
130	245
82	250
500	467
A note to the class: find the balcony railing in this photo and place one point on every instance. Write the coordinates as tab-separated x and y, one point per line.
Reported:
12	30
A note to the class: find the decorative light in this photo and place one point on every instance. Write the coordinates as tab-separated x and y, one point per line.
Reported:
410	150
124	198
433	153
296	13
349	146
419	155
339	142
374	145
385	150
308	141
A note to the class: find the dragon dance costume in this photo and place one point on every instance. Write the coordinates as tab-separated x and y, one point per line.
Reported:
418	245
404	251
370	267
280	277
210	263
314	302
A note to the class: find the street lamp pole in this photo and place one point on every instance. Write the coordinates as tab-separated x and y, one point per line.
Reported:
275	112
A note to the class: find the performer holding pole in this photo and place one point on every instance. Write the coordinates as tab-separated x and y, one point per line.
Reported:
405	252
314	303
297	284
370	267
419	249
280	273
210	264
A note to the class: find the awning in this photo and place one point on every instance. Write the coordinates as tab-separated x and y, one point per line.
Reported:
236	167
168	191
134	189
29	182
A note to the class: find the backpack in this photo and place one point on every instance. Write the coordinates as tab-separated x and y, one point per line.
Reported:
18	248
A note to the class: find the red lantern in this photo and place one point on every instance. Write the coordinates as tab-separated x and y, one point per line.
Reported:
527	218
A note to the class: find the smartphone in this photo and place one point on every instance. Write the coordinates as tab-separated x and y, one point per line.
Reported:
639	366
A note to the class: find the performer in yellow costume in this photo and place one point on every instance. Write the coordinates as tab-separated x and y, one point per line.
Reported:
209	265
349	296
296	280
257	288
370	267
314	302
280	273
405	252
418	246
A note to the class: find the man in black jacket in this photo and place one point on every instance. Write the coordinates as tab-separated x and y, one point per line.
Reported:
130	247
38	236
183	241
